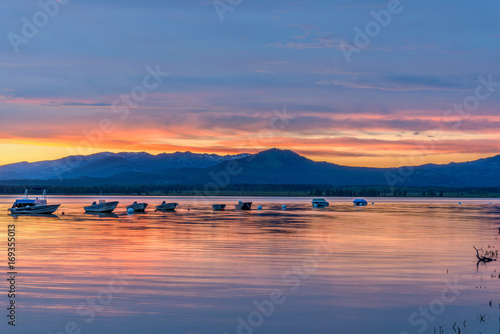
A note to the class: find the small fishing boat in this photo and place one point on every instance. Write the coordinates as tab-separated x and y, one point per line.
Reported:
319	203
218	207
37	206
167	206
243	205
360	202
102	206
138	207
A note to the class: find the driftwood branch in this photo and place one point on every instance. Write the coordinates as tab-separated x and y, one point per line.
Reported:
483	258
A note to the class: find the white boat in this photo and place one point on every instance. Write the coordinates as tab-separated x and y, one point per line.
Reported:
167	206
218	207
243	205
319	203
360	202
102	207
138	207
26	205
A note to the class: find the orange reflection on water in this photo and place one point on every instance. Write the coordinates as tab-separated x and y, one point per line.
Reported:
191	266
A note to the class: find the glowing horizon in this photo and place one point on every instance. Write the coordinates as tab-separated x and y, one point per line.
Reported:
53	153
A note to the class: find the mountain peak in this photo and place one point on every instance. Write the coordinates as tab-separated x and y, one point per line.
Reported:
280	153
276	157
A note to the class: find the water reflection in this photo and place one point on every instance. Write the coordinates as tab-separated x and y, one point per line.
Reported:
35	215
343	269
102	214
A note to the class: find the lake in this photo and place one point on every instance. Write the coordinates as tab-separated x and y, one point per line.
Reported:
395	266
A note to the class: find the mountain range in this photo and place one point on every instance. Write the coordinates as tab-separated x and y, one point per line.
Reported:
273	166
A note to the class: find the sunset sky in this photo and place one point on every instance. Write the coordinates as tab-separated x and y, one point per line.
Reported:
270	74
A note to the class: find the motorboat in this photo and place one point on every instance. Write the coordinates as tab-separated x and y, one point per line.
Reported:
102	206
218	207
319	203
360	202
37	206
164	206
138	207
243	205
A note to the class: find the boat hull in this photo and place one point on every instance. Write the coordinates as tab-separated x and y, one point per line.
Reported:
167	207
35	210
138	207
107	207
319	203
244	206
219	207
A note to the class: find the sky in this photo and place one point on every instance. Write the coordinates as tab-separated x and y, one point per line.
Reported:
358	83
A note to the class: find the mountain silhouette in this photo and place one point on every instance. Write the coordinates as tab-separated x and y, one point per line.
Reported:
272	166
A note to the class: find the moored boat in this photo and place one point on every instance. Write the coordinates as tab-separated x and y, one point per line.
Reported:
243	205
164	206
102	207
218	207
360	202
319	203
138	207
37	206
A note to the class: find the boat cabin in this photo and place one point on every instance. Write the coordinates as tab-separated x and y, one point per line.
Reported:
26	201
23	203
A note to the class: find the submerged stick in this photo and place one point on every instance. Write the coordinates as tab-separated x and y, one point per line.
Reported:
483	258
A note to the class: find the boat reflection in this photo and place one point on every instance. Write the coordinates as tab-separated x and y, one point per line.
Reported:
102	214
39	215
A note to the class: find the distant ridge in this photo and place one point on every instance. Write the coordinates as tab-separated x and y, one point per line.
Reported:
107	164
272	166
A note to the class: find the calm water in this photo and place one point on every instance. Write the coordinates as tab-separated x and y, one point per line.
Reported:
395	266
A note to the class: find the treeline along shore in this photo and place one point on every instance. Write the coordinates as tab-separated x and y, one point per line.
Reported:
17	188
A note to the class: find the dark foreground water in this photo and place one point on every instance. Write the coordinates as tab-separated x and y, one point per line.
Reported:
401	266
